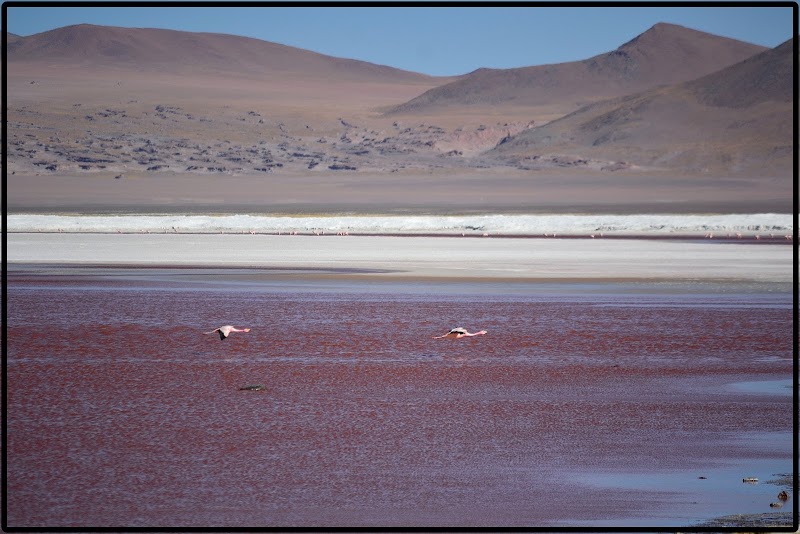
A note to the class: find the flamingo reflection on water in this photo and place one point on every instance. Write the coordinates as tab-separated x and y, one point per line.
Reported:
458	333
225	331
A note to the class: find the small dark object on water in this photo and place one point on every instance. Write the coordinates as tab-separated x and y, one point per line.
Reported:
783	496
702	478
750	480
252	387
775	504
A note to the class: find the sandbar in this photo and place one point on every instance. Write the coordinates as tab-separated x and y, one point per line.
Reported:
419	257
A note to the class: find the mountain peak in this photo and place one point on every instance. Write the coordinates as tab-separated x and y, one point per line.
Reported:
665	34
664	54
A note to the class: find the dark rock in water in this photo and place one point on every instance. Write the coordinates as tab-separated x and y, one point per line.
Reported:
252	387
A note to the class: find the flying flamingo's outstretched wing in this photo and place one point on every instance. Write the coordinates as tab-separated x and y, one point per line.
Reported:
222	335
452	333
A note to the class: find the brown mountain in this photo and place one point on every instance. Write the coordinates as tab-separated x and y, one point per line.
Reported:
664	54
187	53
738	119
186	95
766	77
163	118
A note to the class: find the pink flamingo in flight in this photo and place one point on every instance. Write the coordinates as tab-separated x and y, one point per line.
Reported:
225	331
458	333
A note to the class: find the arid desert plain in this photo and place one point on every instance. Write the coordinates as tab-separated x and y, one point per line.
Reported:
622	227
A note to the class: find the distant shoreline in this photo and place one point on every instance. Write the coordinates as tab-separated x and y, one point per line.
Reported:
332	210
446	193
750	239
760	227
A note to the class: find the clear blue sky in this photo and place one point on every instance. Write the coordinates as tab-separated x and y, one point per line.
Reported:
432	40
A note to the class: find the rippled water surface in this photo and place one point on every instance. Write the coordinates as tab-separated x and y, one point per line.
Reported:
122	413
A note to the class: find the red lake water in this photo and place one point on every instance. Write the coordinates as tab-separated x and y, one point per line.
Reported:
585	404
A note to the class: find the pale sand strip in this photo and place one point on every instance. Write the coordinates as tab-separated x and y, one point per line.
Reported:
419	256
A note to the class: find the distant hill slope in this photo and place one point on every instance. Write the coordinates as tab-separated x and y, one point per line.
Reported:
664	54
738	119
761	78
157	50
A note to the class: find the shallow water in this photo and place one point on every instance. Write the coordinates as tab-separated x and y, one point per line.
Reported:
121	413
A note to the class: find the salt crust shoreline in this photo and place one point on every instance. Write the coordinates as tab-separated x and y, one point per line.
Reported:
767	227
409	257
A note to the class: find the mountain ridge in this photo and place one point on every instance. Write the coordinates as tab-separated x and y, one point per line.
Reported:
119	101
739	117
154	49
664	54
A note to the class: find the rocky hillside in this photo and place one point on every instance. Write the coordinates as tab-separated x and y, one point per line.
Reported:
738	119
664	54
120	101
